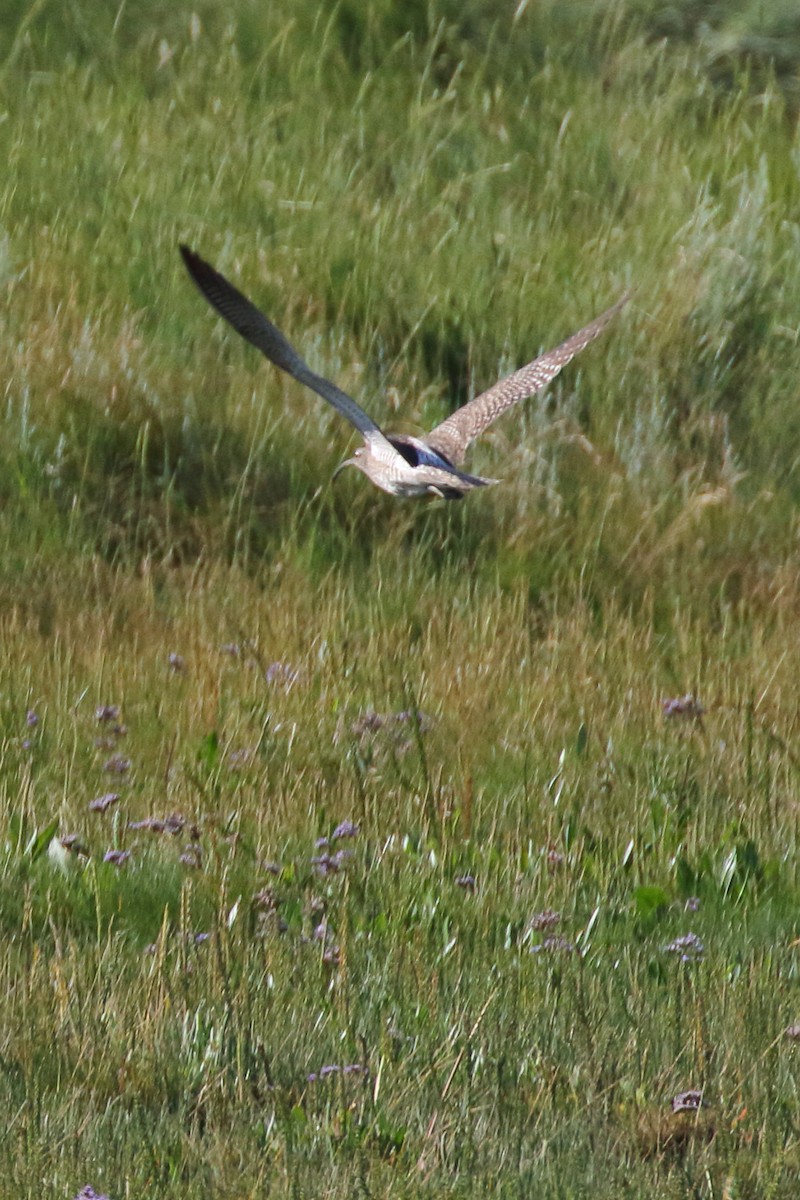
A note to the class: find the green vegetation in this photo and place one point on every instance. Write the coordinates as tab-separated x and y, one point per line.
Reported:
423	195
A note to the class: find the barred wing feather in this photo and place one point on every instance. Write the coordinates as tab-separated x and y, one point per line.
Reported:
454	435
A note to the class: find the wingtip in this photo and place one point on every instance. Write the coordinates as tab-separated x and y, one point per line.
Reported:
606	316
199	270
187	253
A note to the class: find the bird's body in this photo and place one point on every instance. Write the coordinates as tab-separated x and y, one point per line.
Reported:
411	468
399	464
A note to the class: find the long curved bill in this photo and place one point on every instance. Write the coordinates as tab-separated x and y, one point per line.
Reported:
348	462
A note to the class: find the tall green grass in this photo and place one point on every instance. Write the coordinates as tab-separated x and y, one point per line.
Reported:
423	196
533	178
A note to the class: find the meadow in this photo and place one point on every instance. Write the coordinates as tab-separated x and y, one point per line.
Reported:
357	847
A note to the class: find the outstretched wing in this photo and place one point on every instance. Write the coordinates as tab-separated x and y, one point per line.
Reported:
257	329
454	435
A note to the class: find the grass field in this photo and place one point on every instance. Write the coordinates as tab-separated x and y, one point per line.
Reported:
393	874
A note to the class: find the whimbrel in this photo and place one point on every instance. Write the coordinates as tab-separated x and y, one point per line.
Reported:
399	464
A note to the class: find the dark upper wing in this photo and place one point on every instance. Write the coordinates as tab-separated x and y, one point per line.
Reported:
454	435
251	323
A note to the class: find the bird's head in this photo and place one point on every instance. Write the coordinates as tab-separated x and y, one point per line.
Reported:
356	461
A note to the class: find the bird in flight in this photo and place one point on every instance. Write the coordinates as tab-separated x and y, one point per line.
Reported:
399	464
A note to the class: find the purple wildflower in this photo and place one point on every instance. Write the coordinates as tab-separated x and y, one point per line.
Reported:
330	864
689	1101
345	829
323	864
118	764
104	802
467	882
241	758
31	718
107	712
117	858
683	706
548	918
192	857
688	946
332	1069
553	944
265	900
414	716
177	663
368	722
281	673
173	824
